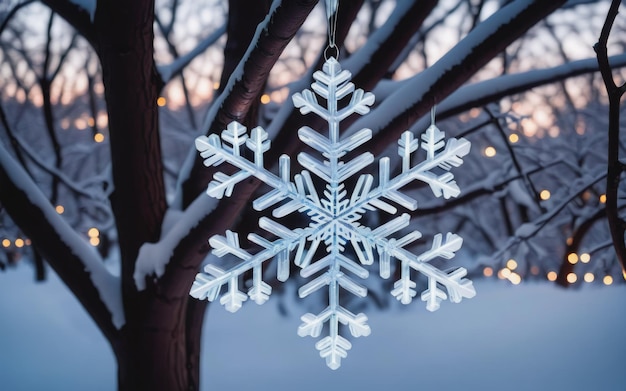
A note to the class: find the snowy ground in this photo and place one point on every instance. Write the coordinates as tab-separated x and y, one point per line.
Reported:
528	337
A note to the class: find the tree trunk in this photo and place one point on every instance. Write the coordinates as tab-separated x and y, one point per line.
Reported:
150	348
152	354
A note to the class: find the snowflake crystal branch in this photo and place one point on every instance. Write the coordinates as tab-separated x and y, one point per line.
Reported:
333	216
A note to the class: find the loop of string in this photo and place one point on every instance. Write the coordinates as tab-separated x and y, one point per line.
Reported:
331	16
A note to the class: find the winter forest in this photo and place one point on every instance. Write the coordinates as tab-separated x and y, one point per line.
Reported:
428	191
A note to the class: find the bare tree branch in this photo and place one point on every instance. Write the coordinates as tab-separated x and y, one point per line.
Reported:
615	168
76	16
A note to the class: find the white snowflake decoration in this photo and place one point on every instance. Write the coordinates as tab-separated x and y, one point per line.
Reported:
334	217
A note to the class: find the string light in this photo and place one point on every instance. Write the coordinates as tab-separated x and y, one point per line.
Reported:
572	258
585	258
589	277
265	99
511	264
513	138
60	209
161	101
607	280
98	137
19	243
544	195
552	276
490	152
515	278
6	243
603	199
487	271
572	277
94	234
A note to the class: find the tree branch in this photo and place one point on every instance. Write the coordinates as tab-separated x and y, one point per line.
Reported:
615	168
76	16
271	38
77	263
420	93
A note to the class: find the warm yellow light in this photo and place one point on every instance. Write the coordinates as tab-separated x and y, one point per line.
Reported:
6	242
216	85
511	264
569	241
94	241
60	209
506	273
91	122
265	99
585	258
544	195
19	243
624	274
513	138
607	280
93	232
572	258
603	199
551	276
161	101
572	277
589	277
488	272
515	278
98	137
490	152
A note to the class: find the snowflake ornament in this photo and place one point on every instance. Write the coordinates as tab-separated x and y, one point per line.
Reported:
323	249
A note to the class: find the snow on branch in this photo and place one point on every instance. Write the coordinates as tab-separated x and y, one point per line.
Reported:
417	95
154	257
80	266
481	93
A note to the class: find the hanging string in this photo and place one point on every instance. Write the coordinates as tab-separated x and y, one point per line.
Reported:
433	109
331	16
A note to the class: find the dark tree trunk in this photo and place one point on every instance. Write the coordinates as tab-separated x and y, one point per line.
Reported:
150	348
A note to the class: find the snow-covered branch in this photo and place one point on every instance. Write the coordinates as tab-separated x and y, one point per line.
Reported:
491	90
78	264
418	94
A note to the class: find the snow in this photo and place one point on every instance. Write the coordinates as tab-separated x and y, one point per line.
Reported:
154	257
534	336
108	285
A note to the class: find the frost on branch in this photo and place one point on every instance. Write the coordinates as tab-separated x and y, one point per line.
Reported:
323	248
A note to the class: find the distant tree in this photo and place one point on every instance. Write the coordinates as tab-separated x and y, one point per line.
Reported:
133	177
